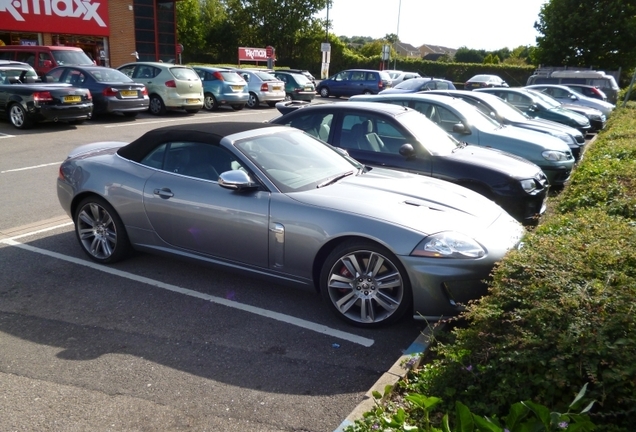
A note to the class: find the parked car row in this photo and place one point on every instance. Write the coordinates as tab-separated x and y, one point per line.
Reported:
140	86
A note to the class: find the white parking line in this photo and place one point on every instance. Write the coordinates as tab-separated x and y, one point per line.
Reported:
30	167
318	328
180	119
6	136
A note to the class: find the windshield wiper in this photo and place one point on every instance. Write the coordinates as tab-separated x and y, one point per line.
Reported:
334	179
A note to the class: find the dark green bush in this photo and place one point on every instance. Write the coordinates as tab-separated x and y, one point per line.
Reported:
560	312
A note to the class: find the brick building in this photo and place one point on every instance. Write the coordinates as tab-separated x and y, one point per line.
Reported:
112	32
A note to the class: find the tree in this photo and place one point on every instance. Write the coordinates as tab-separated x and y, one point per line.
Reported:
593	33
467	55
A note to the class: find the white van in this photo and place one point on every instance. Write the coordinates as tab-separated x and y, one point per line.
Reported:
599	79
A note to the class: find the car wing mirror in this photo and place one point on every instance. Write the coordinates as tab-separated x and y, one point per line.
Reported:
461	128
533	107
574	97
407	151
237	180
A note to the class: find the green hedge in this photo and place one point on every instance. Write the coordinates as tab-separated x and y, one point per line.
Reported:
561	311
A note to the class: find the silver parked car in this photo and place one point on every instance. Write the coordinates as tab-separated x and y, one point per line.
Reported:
169	86
275	202
566	95
263	87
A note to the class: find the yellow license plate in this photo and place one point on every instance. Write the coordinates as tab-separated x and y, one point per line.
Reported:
275	88
68	99
128	93
192	101
308	89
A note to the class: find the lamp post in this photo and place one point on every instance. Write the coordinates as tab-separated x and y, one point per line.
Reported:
397	34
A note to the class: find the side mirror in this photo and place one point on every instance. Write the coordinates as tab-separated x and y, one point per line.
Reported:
574	97
533	108
407	151
461	128
236	180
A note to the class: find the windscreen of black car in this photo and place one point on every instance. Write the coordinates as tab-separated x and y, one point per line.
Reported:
295	161
7	76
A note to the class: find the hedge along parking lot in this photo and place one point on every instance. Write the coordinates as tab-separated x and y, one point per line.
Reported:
559	315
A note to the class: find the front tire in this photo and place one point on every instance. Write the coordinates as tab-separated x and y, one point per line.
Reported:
364	284
157	107
238	107
253	101
100	231
18	117
324	92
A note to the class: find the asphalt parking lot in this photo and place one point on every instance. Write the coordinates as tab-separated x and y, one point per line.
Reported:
153	343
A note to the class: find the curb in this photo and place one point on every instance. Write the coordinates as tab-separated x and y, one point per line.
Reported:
398	371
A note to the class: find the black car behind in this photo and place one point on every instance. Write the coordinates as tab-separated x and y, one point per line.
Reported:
25	101
396	137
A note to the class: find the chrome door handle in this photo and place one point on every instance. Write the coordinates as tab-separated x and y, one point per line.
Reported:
164	193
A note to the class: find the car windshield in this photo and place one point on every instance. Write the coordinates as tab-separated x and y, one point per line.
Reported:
26	75
432	137
412	84
71	58
182	73
295	161
507	111
265	76
481	78
231	77
548	100
301	79
109	75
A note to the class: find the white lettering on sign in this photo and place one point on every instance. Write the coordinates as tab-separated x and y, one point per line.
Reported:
85	9
251	53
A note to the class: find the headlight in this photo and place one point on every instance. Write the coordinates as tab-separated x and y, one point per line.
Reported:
448	244
563	137
553	155
528	185
596	117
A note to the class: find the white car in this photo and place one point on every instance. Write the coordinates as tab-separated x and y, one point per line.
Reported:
263	87
169	86
397	76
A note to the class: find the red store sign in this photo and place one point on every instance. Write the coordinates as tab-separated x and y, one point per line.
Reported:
254	54
88	17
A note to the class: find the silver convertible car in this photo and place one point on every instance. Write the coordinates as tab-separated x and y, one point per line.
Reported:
274	201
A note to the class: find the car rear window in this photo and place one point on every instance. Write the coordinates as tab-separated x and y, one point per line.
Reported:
184	74
385	76
109	75
265	76
231	77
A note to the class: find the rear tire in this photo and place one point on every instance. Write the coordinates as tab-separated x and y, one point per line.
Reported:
271	104
209	102
253	101
192	111
324	92
100	231
157	107
18	117
238	107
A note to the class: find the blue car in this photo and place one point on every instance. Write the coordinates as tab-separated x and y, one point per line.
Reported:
222	87
354	82
415	85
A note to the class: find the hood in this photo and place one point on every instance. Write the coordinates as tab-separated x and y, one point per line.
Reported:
525	136
416	202
556	126
579	119
507	163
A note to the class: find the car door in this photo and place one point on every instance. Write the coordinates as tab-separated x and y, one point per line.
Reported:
339	84
376	140
189	210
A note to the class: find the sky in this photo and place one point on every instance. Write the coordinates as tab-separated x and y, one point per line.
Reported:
484	24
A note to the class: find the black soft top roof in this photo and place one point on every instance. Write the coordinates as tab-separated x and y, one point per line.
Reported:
210	133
